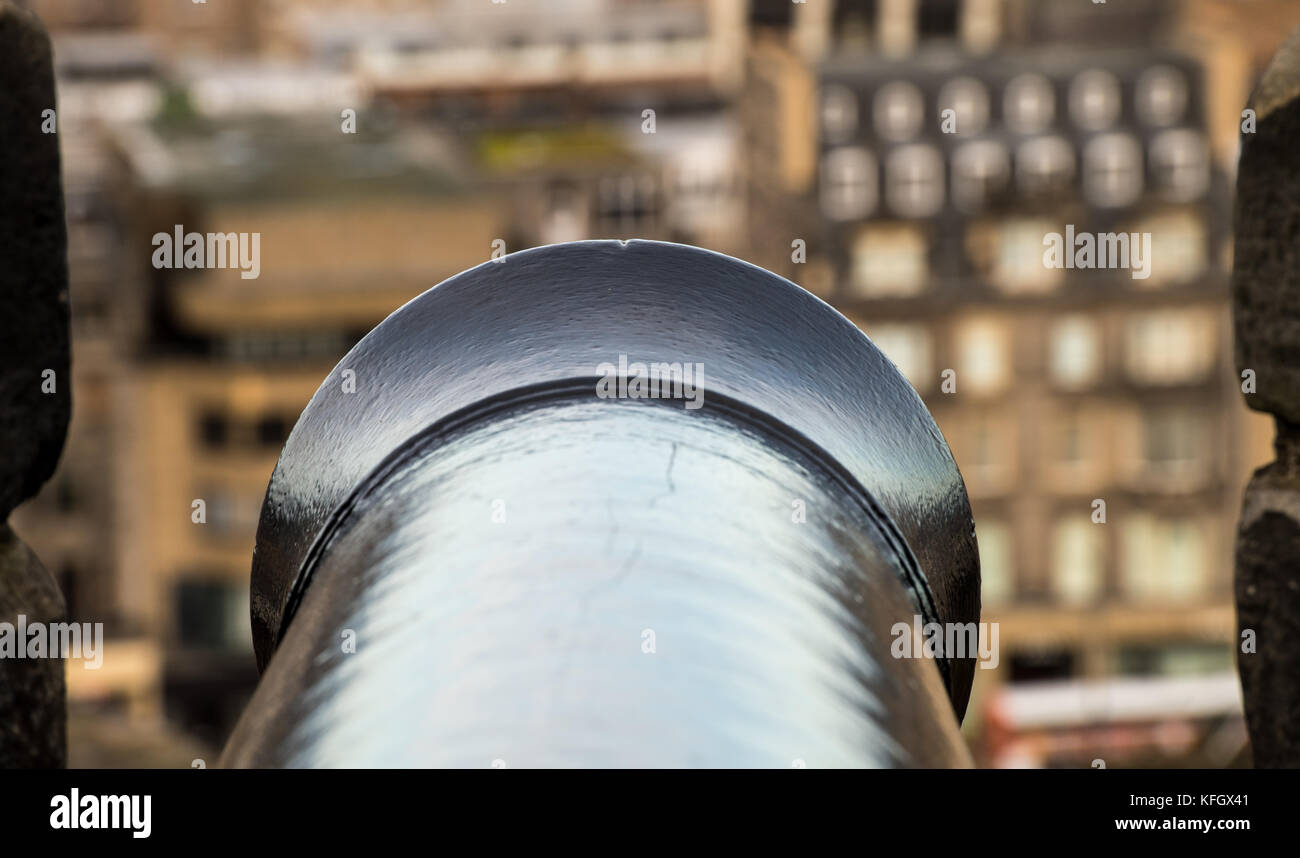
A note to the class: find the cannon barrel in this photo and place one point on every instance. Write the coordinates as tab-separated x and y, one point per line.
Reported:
486	543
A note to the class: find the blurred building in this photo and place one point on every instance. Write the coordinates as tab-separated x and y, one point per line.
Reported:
1096	417
807	137
537	57
568	182
350	227
600	118
179	27
1148	722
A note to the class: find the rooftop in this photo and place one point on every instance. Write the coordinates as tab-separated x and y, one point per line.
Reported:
276	158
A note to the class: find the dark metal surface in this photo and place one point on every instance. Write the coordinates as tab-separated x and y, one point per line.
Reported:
645	597
552	315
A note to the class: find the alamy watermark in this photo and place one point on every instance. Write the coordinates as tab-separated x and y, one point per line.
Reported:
1099	250
131	812
655	380
83	641
946	640
181	249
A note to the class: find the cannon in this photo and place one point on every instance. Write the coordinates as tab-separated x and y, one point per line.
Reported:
490	542
487	543
498	536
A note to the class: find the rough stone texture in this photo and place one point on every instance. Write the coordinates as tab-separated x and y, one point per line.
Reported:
1266	307
1268	589
33	265
33	717
33	338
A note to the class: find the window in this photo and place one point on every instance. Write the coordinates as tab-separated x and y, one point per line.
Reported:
1094	99
272	430
1078	567
220	510
1182	659
212	614
909	347
626	204
1164	347
213	430
981	25
284	345
1171	440
1165	560
1178	249
980	171
1076	442
1045	166
937	19
849	183
1169	453
839	114
985	447
914	181
852	23
229	513
1112	170
565	218
1029	104
1074	352
1180	165
1040	665
1161	95
983	363
1009	253
898	111
969	101
1070	448
890	261
997	571
771	13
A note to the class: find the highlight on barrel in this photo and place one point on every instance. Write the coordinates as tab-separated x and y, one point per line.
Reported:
610	504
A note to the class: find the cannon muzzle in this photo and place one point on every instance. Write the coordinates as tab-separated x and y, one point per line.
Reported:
611	504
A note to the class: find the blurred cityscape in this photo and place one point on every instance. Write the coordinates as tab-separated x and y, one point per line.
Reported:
380	147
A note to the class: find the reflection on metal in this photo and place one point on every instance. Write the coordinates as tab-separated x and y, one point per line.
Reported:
467	556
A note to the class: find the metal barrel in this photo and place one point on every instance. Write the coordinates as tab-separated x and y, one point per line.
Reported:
488	542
